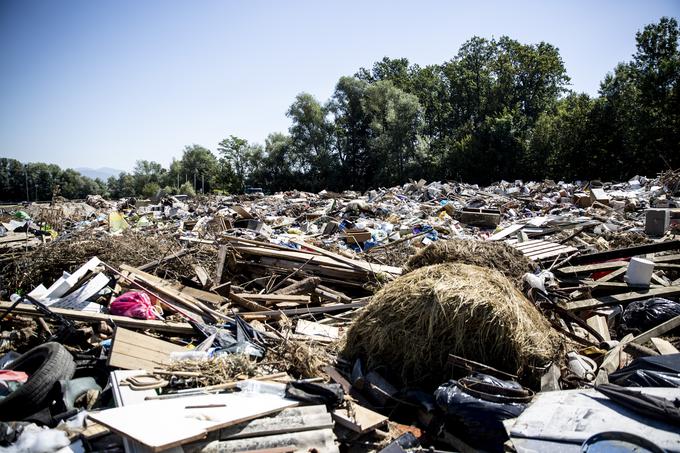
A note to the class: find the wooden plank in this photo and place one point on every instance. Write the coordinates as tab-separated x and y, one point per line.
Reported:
550	254
202	275
616	299
505	232
274	314
664	347
177	421
612	275
319	271
599	324
221	260
360	420
205	296
247	304
314	329
589	268
272	299
131	350
626	252
515	242
658	330
543	245
123	321
165	288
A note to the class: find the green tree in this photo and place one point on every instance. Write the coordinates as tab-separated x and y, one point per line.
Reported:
235	152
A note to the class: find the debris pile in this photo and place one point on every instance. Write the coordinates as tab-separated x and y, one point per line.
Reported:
440	316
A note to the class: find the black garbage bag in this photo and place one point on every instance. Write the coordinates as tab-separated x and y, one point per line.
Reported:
652	371
642	315
331	395
476	416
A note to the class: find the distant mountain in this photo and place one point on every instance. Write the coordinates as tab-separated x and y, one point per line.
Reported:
102	173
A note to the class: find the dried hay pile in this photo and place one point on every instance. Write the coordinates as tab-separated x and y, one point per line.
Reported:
414	323
45	264
495	255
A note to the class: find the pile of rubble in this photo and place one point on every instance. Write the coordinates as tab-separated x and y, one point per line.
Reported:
442	316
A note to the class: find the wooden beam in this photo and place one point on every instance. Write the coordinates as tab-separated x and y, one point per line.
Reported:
221	259
304	311
626	252
123	321
657	331
616	299
588	268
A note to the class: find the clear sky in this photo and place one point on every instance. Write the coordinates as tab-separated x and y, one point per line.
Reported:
104	83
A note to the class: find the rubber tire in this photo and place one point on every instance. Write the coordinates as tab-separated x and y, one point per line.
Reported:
45	365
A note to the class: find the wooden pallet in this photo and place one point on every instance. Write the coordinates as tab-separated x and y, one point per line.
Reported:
537	250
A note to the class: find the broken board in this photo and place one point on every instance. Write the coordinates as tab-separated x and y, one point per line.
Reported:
132	351
178	421
537	250
361	420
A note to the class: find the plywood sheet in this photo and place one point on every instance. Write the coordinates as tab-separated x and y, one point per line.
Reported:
180	420
131	350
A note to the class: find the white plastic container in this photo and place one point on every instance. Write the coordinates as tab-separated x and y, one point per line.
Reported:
639	272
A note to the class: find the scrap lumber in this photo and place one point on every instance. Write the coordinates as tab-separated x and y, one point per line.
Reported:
664	347
626	252
247	304
303	286
505	232
166	289
314	329
657	331
221	260
123	321
202	276
273	299
275	314
358	419
132	350
589	268
616	299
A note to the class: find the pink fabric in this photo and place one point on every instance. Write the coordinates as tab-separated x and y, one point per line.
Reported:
10	375
133	304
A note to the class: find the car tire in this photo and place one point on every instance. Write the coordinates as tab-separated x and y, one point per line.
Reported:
45	365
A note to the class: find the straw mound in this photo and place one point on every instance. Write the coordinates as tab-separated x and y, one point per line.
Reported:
414	322
495	255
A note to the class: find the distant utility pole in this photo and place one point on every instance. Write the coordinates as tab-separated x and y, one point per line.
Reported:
26	175
177	180
202	182
195	171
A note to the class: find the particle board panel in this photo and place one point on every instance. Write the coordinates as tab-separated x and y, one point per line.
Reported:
132	350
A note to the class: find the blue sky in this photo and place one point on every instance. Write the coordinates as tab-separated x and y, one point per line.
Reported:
103	83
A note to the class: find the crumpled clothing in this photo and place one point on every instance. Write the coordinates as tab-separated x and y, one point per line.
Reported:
133	304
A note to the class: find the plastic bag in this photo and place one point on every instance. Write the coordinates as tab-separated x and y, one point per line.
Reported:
475	420
331	395
643	315
133	304
652	371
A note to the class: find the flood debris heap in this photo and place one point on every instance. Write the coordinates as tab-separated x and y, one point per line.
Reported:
523	317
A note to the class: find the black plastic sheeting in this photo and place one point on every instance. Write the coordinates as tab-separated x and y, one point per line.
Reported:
652	371
642	315
331	395
477	421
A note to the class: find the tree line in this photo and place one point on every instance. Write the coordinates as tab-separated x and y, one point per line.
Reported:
499	109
